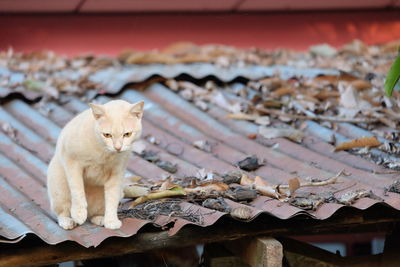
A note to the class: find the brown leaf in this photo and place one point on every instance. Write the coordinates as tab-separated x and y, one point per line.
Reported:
283	91
134	191
134	179
361	85
208	187
167	184
242	116
258	181
245	180
294	184
369	141
290	133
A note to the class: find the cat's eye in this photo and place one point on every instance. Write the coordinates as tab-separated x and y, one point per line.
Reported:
128	134
107	135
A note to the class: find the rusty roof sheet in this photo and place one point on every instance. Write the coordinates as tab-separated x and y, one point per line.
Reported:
115	78
29	135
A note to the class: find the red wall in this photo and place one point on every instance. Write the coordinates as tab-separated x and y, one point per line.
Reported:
109	34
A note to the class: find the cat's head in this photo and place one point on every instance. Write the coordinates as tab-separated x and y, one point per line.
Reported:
118	124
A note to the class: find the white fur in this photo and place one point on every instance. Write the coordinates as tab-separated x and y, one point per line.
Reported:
84	177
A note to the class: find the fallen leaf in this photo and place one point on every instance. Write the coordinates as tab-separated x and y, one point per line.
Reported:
134	191
290	133
174	192
242	116
216	204
208	187
283	91
202	145
324	50
250	164
167	166
34	85
242	213
252	136
134	178
294	184
263	120
150	155
167	184
232	177
370	141
246	181
139	147
8	129
361	85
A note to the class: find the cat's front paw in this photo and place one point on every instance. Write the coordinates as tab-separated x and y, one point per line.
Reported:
66	223
112	223
79	214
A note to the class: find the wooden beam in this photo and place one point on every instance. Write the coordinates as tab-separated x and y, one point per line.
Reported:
302	254
191	235
258	251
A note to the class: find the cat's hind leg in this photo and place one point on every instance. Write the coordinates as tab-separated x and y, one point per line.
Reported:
95	198
59	194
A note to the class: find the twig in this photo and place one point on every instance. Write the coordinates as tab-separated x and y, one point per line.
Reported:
331	180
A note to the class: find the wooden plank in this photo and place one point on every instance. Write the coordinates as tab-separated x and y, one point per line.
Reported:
192	235
302	254
258	251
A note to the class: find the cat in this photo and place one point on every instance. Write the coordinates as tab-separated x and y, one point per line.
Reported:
85	175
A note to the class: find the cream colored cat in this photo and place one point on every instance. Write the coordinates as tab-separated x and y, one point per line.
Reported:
84	178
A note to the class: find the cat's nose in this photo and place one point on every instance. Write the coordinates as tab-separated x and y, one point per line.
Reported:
118	148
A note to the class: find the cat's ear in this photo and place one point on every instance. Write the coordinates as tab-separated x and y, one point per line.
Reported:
97	110
137	109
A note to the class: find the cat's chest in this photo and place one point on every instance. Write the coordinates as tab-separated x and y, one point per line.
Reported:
99	171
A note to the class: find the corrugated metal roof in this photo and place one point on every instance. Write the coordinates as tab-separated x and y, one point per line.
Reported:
24	154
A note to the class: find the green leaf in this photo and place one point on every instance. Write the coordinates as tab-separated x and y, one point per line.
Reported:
34	85
393	77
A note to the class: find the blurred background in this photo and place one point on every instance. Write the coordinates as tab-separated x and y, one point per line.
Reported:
107	27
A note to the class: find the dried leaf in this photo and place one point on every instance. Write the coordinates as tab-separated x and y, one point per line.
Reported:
283	91
232	177
242	213
370	141
203	145
294	184
324	50
246	181
134	179
263	120
216	204
208	187
250	164
174	192
167	184
290	133
134	191
139	147
242	116
167	166
9	130
258	181
252	136
361	85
